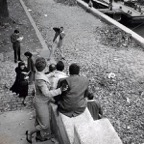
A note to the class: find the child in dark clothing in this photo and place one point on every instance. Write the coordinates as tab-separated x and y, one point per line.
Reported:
94	107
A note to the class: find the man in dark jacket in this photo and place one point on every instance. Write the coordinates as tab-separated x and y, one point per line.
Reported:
15	39
73	102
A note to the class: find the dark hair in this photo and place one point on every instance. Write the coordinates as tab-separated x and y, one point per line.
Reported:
40	64
90	96
28	54
21	64
16	31
60	66
74	69
52	67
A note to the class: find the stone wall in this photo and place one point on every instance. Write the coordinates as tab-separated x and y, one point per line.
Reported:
82	129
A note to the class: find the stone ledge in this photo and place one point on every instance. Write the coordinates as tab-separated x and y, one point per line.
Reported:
58	127
82	129
104	17
42	41
97	132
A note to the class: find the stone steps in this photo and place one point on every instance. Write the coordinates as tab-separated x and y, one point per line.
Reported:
82	129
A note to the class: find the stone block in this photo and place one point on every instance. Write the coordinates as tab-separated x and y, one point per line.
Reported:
63	126
57	126
69	124
82	129
97	132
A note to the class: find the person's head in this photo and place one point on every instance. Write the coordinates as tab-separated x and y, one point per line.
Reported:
28	54
16	31
74	69
21	65
90	97
60	66
40	64
61	29
52	67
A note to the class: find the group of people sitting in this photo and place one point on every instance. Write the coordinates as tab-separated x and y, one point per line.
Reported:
68	91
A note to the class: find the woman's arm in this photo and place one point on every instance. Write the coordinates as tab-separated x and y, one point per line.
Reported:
45	91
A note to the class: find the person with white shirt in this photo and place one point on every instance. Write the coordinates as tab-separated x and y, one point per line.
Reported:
56	75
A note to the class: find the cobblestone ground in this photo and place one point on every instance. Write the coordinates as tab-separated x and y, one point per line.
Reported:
82	45
8	100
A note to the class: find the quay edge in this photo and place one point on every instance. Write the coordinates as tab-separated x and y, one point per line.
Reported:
104	17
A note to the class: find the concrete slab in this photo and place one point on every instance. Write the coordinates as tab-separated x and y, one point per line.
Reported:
97	132
82	129
13	126
58	128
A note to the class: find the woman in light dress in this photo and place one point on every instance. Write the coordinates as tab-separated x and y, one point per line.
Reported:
41	102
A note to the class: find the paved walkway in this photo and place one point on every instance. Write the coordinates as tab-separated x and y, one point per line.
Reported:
13	126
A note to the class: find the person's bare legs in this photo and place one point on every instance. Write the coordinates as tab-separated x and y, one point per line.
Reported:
52	51
61	51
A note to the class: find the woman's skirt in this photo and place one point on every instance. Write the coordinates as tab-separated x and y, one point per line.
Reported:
42	118
23	89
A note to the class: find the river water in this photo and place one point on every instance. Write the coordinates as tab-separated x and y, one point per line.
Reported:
139	29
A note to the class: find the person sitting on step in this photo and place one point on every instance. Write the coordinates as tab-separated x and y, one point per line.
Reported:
94	107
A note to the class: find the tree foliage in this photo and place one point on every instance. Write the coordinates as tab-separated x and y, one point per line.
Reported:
4	9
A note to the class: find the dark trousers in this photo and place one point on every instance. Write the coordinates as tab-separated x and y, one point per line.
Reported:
17	54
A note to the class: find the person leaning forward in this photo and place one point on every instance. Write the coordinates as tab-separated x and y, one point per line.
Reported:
41	103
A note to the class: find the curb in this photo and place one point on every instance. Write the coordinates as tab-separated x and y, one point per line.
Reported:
41	39
100	15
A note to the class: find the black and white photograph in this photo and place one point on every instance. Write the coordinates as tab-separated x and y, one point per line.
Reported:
71	71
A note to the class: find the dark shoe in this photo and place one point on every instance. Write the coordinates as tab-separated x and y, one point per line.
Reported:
41	139
19	60
15	61
63	58
27	135
33	93
23	103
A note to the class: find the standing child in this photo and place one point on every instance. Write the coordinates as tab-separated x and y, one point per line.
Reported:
94	107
